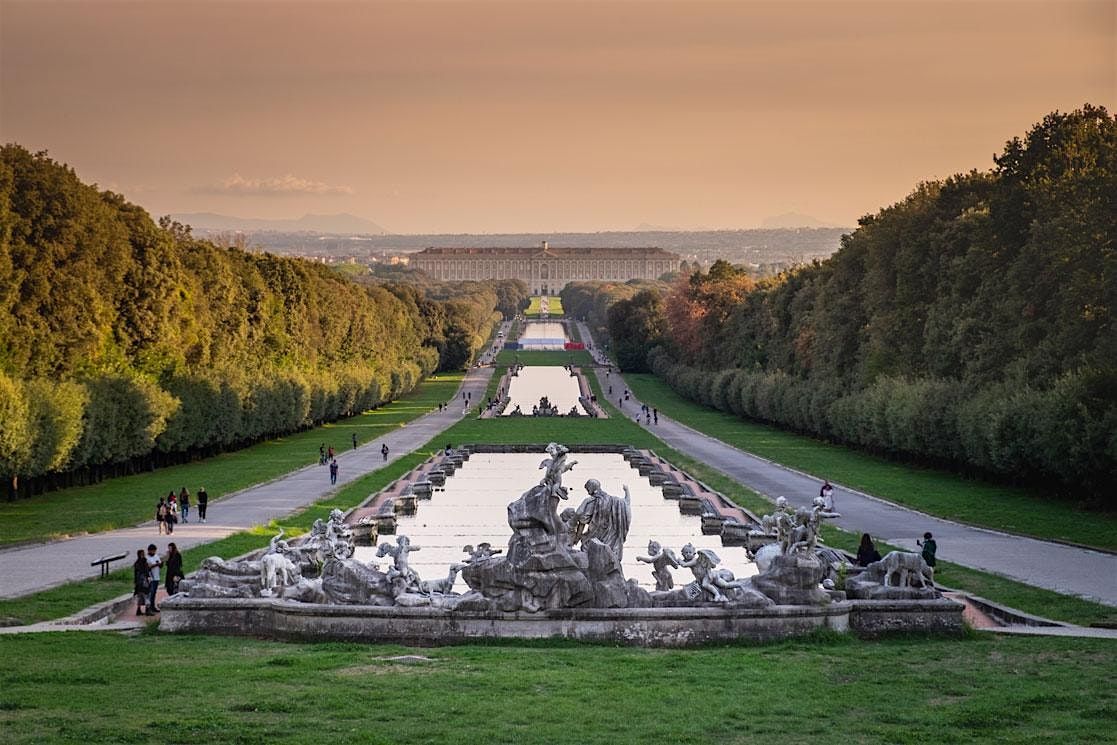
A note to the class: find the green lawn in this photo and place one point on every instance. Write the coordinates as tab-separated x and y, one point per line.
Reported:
543	357
999	506
554	304
128	500
71	687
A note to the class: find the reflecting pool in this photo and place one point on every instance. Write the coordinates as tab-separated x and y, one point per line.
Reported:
532	383
473	508
543	335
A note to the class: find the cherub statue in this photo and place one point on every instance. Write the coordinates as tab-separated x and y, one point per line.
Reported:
556	466
400	572
483	551
783	520
660	558
703	563
804	536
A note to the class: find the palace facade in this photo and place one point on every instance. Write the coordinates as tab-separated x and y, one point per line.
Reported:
545	269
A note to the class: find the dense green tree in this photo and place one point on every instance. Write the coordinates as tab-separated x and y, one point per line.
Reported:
971	324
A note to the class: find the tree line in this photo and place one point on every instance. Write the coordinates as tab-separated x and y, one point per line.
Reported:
970	325
126	344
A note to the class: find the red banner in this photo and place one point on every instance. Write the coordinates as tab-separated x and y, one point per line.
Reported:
573	345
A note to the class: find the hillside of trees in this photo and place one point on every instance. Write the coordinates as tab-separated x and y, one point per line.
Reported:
970	325
125	344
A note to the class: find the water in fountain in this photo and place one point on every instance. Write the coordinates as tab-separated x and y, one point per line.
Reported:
532	383
474	508
543	335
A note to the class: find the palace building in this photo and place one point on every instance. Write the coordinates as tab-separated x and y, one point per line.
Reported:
546	269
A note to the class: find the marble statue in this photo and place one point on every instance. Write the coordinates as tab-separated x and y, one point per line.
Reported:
903	569
603	517
276	569
441	586
483	551
702	563
400	574
661	560
899	575
556	464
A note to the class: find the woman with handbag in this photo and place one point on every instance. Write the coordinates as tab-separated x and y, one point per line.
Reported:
141	576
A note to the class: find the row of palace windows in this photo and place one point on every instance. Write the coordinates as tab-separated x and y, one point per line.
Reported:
571	269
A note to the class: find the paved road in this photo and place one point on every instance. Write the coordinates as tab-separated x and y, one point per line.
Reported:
32	568
1054	566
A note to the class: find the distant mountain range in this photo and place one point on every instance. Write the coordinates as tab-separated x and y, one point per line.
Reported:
791	220
339	224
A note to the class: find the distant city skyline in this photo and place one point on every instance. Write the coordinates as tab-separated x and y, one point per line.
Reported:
505	117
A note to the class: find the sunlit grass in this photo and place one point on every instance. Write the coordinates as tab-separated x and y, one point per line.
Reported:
63	687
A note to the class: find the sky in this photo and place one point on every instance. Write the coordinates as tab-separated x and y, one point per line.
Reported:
540	116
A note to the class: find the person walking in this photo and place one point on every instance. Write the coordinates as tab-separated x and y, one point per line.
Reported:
330	452
655	415
174	568
203	502
141	578
184	504
172	513
322	454
161	515
384	451
153	564
930	548
333	471
827	494
354	440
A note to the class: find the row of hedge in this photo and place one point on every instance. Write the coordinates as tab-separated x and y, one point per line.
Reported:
1068	431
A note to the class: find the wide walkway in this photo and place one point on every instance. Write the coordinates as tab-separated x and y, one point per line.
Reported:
29	569
1054	566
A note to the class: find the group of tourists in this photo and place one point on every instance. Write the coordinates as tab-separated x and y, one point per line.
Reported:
174	508
146	571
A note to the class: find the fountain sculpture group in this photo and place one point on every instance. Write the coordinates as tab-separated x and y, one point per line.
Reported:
561	562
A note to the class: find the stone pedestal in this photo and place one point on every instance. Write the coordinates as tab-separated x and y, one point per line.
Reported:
793	579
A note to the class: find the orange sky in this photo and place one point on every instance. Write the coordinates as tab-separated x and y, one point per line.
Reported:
537	116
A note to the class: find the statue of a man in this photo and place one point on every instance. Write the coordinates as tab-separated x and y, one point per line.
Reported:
604	517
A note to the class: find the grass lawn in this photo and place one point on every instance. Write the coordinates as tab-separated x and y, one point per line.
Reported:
508	357
554	304
1002	507
128	500
73	687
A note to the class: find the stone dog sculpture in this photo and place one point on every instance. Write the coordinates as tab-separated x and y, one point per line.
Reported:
276	570
902	569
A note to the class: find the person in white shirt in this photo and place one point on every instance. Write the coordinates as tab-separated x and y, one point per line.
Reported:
153	563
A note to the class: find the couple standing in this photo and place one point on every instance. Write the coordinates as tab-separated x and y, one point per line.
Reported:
145	575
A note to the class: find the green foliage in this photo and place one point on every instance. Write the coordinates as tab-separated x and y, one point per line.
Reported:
590	301
970	325
636	325
125	344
